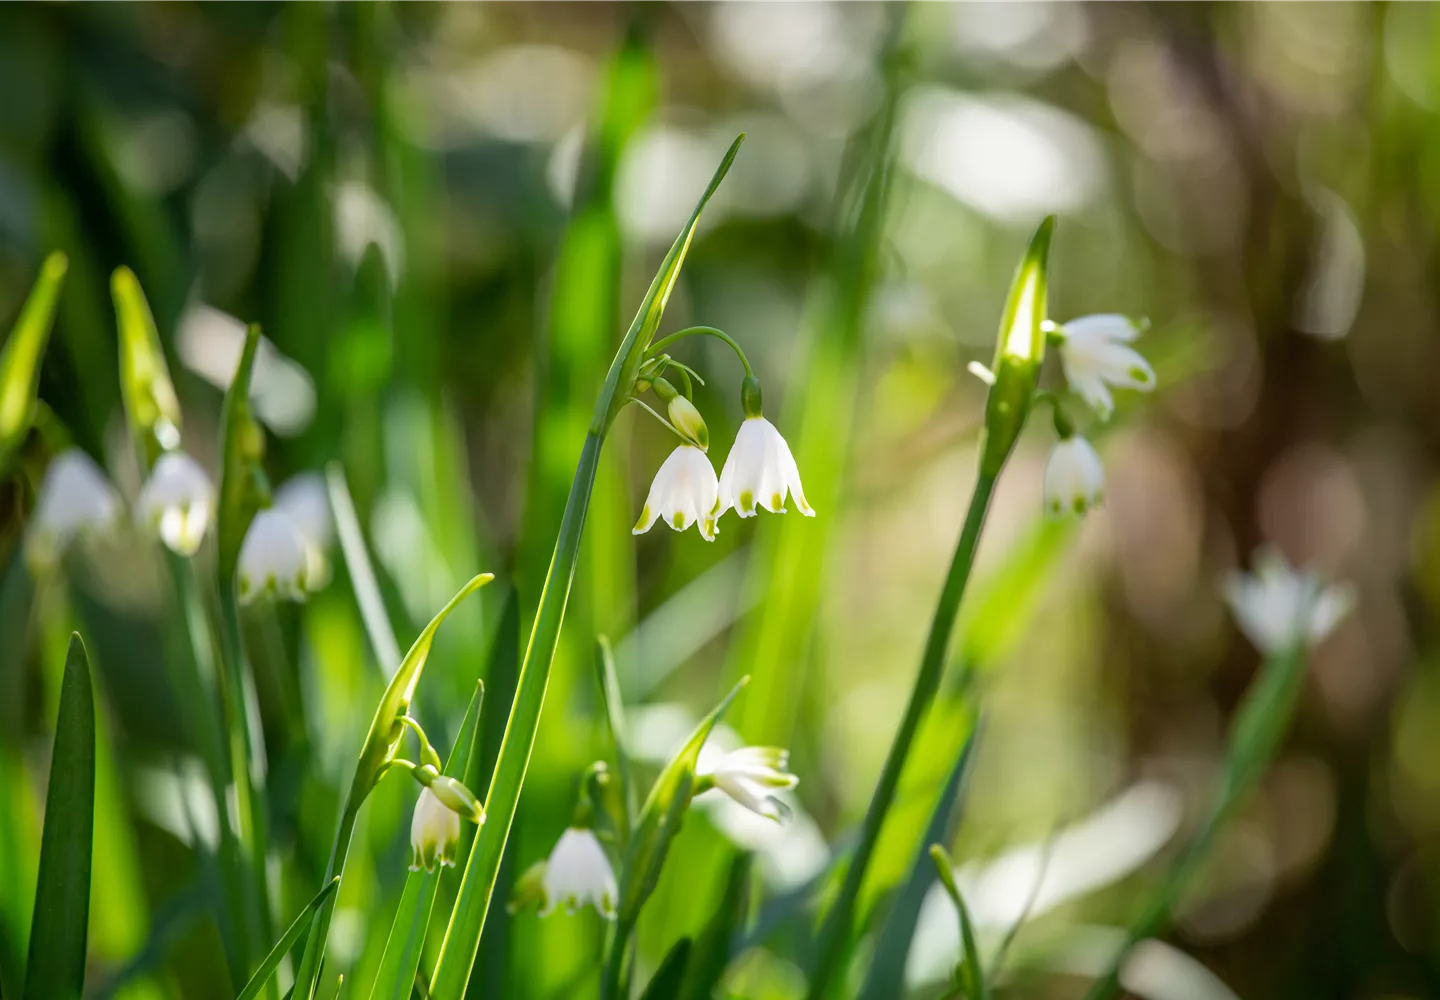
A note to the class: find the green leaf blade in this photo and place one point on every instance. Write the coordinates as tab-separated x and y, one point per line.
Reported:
403	948
56	966
271	962
20	360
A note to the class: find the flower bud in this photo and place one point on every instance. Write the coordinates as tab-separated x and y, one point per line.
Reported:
684	417
457	798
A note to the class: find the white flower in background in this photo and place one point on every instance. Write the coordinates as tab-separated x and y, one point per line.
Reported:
1095	354
578	872
176	502
304	500
1279	608
274	559
759	471
1074	477
682	494
75	497
751	776
434	833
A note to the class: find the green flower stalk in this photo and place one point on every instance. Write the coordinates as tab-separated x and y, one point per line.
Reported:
467	920
1019	351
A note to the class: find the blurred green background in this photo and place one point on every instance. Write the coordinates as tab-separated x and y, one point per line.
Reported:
442	215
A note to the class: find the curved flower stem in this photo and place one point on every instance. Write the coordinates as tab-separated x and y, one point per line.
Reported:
651	410
664	342
835	934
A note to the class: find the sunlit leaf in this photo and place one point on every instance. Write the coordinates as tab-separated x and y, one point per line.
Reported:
403	948
20	359
56	966
287	941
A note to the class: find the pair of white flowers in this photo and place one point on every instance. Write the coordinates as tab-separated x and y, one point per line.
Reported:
1096	354
281	553
759	472
578	871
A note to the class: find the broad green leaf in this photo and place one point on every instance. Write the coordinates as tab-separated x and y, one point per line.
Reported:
145	385
970	974
668	979
662	814
20	360
712	949
401	960
887	969
467	920
56	967
287	941
615	720
243	486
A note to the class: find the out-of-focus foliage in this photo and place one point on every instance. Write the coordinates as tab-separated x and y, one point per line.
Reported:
442	216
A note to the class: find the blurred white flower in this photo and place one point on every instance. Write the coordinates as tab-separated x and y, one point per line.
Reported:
75	497
1279	608
578	872
751	776
1074	477
304	500
274	559
176	502
760	470
434	833
683	493
1095	355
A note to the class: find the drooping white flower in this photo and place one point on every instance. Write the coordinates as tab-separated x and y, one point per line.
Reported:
75	497
578	872
176	502
274	559
683	493
751	776
1279	608
434	833
1074	477
1096	355
759	471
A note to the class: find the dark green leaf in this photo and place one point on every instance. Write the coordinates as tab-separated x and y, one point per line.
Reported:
712	950
287	941
56	967
615	720
665	984
970	975
243	487
887	969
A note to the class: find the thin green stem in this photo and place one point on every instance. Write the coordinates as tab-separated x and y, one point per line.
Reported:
467	920
617	950
664	342
245	767
309	970
835	933
651	410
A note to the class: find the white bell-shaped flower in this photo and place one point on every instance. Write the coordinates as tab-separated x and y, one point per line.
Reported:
75	498
759	471
274	559
1279	608
1096	355
751	776
1074	477
683	493
579	872
434	833
176	502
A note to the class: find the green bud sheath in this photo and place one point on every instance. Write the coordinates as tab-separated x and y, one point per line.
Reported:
1019	351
